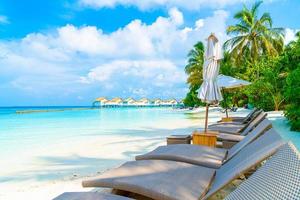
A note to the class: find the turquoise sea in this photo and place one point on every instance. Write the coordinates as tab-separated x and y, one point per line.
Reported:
42	147
21	131
42	139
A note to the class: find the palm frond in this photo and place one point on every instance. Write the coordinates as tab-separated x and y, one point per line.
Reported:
254	37
255	7
266	19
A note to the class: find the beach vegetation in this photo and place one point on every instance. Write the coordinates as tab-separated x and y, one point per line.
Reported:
253	37
255	52
266	92
194	71
292	93
194	65
191	99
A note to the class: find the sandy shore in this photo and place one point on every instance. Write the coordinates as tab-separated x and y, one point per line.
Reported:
75	160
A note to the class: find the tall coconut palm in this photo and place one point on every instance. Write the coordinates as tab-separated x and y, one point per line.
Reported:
253	36
194	66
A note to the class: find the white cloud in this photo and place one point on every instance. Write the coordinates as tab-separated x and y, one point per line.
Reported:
290	35
84	61
156	72
148	4
4	20
199	23
137	39
176	16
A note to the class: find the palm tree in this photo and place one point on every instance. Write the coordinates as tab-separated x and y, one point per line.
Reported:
294	42
253	36
194	67
194	71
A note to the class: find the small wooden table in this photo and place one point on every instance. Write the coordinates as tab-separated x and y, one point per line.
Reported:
208	138
226	119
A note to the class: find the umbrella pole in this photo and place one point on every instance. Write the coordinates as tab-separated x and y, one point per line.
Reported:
206	119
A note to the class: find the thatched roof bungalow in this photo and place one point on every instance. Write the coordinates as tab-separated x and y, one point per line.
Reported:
157	101
101	99
143	102
173	101
129	101
169	102
115	101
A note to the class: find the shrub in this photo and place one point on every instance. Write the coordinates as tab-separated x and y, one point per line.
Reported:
191	99
266	92
292	94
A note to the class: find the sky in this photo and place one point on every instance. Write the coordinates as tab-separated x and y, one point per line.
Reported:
68	52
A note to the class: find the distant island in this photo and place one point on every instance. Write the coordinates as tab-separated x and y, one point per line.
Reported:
117	101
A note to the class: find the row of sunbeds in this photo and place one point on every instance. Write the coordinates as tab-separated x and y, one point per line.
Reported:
192	172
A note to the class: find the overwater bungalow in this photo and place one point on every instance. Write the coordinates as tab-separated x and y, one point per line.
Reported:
157	102
117	101
100	101
143	102
170	102
129	101
173	101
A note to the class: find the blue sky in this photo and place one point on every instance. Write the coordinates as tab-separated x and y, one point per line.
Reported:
68	52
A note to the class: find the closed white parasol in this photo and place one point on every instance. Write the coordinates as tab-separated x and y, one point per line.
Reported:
209	91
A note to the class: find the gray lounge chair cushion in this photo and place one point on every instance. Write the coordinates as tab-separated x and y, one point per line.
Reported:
89	196
227	128
243	120
251	115
254	123
279	178
203	155
247	158
193	154
238	129
259	129
157	179
253	135
230	137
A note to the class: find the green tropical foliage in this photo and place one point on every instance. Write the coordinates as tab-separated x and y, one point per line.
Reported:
194	71
191	98
253	36
292	93
291	60
255	52
267	91
194	65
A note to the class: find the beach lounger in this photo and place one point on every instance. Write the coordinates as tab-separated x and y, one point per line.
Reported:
254	115
203	155
278	178
236	138
243	120
238	129
89	196
238	125
171	180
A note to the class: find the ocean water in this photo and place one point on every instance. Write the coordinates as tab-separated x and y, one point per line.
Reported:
49	146
33	144
281	125
22	131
